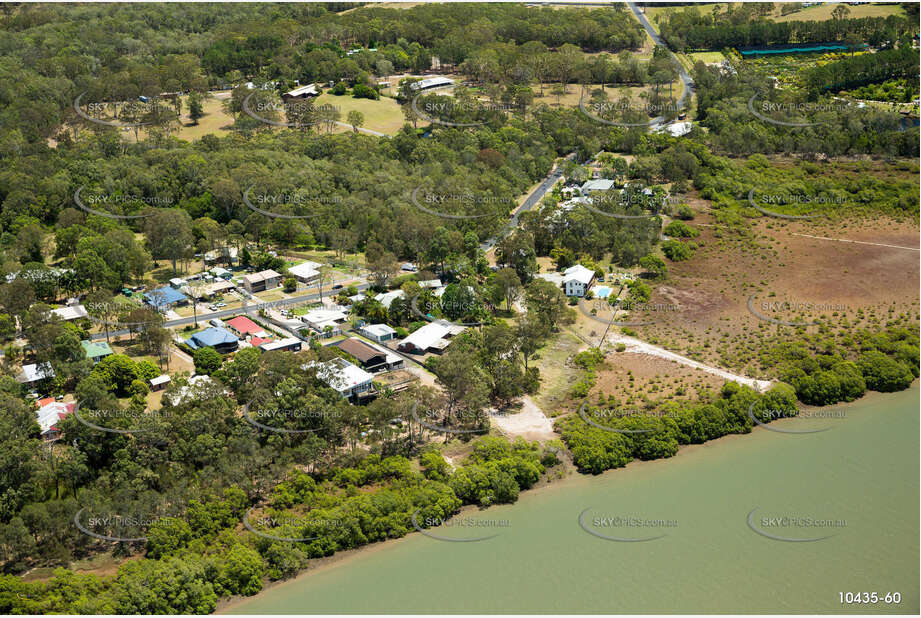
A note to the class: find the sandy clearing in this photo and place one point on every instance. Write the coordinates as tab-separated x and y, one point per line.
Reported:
530	423
641	347
859	242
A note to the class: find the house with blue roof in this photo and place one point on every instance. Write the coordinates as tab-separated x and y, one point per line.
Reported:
221	339
165	297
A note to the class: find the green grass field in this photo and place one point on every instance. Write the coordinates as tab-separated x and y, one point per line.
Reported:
383	115
823	11
707	57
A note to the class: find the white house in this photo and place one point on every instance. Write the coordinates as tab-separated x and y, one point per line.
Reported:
49	414
431	83
302	92
319	319
306	272
73	312
289	344
342	376
35	373
433	337
599	184
577	280
387	298
377	332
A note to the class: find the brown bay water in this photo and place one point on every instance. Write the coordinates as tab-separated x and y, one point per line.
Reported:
714	509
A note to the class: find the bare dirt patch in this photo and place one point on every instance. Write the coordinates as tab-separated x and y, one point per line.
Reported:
853	285
632	379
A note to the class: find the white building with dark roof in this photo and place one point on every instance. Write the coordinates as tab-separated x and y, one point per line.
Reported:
577	280
306	272
431	83
433	337
387	298
598	184
73	312
345	378
377	332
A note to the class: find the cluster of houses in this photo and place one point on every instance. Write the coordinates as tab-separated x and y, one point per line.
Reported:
229	336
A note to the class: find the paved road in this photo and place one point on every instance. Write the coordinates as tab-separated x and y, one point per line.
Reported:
361	130
529	203
682	73
227	313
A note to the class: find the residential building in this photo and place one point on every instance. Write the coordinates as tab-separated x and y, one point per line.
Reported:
35	373
434	337
598	184
371	358
243	326
577	280
198	388
288	344
220	339
261	281
48	414
377	332
387	298
96	350
164	298
160	382
224	254
431	83
320	319
302	92
73	312
306	272
347	379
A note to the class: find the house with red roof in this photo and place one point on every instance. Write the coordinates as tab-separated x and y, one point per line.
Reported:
49	412
243	326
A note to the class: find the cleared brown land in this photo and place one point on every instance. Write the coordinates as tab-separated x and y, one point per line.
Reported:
632	379
863	284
